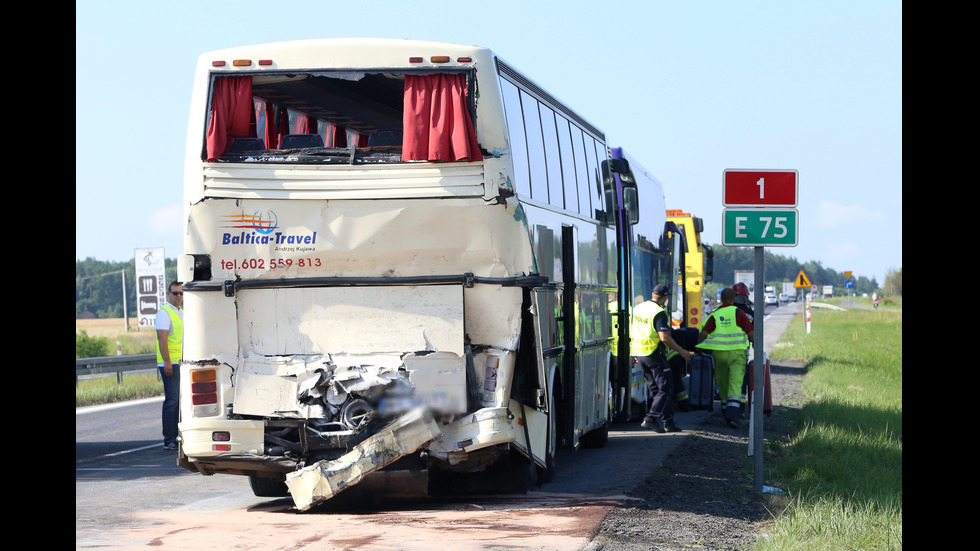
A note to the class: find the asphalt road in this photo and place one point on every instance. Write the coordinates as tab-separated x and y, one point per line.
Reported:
130	493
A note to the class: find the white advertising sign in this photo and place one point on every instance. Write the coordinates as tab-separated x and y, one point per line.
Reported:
151	289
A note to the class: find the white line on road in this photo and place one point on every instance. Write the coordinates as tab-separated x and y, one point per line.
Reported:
103	407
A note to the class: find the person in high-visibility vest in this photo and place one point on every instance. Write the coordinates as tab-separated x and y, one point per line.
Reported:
650	339
170	346
727	333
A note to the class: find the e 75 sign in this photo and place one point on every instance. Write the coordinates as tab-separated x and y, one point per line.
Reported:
760	228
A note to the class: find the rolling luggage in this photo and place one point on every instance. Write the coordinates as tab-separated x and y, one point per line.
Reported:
702	381
766	387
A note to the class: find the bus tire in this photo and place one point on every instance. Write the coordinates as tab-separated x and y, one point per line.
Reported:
547	474
268	487
596	438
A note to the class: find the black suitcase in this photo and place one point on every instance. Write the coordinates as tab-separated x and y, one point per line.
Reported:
702	382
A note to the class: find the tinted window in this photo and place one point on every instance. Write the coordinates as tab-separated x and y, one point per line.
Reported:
567	164
535	148
549	132
518	143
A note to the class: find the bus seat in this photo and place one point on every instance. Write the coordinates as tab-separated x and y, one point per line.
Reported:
385	137
297	141
247	144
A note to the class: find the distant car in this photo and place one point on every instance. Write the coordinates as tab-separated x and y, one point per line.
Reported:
794	297
783	297
771	299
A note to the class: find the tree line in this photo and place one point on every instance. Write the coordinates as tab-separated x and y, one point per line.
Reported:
99	286
778	268
99	291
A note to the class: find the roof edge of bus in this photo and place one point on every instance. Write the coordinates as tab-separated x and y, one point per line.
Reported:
636	167
344	42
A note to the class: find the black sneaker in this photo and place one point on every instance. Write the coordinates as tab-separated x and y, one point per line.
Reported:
732	423
170	446
654	426
671	427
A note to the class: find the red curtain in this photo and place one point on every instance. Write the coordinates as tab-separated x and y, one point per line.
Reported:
436	122
271	135
231	114
299	124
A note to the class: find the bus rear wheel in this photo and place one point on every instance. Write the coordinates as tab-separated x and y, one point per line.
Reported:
268	487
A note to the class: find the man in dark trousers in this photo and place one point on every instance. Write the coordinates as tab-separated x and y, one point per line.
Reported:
170	345
650	339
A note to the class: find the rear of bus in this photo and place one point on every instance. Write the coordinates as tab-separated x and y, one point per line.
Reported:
355	270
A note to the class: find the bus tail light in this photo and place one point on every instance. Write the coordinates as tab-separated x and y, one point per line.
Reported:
204	392
221	436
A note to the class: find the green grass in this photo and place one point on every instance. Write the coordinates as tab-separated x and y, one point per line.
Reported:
104	390
842	468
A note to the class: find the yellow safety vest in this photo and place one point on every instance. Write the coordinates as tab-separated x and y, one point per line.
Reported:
175	340
727	334
644	338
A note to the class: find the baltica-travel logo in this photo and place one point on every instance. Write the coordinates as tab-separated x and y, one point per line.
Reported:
262	222
261	229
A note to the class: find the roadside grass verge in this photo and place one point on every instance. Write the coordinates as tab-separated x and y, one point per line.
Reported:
842	468
98	337
104	390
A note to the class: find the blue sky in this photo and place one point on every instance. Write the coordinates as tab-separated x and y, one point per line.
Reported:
688	88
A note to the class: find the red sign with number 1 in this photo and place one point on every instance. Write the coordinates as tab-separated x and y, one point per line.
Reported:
760	188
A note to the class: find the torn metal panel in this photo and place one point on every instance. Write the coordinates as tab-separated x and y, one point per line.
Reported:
271	385
325	479
485	427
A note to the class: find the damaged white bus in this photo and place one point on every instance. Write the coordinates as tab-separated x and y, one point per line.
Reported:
403	262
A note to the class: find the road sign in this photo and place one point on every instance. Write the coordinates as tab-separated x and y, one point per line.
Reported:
151	288
760	188
802	282
760	227
849	284
847	275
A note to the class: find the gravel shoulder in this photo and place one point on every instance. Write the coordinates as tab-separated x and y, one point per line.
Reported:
702	495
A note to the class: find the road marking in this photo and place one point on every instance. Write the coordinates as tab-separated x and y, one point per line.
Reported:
124	452
103	407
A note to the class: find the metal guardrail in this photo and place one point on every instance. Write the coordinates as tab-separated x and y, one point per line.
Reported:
114	364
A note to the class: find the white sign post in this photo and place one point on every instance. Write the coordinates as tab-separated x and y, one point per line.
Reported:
151	288
764	215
